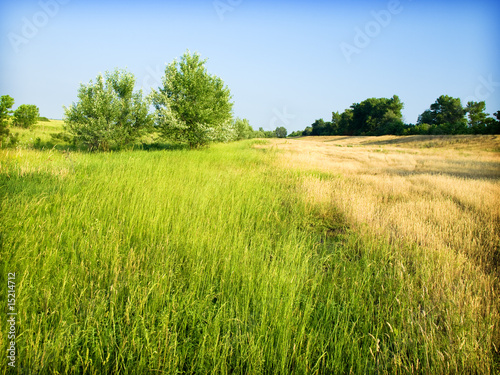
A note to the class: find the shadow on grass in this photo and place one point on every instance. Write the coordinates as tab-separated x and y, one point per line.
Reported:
160	146
66	147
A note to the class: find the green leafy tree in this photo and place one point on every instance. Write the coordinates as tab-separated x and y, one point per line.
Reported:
6	103
296	133
307	131
108	114
319	127
26	116
426	117
477	117
243	129
375	115
260	133
193	106
335	124
280	132
446	116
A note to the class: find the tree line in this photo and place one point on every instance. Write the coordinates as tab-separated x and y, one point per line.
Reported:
191	107
382	116
25	116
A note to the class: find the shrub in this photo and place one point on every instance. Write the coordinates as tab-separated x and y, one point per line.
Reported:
26	116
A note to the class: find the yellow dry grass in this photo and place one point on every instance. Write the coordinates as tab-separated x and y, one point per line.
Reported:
442	193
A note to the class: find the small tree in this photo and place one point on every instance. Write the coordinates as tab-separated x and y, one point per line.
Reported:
243	129
6	103
108	113
280	132
192	106
26	115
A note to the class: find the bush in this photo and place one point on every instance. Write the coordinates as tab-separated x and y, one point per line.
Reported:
26	116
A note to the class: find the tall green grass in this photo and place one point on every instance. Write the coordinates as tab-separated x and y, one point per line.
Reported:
211	262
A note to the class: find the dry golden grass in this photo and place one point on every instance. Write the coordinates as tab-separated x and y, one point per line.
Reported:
443	197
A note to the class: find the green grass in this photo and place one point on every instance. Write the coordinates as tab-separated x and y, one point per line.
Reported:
210	261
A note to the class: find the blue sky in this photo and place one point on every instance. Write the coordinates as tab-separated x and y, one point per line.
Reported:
287	63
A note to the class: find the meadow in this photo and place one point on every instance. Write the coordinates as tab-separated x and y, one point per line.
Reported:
315	255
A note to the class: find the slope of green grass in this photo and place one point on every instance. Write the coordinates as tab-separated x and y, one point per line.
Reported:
210	261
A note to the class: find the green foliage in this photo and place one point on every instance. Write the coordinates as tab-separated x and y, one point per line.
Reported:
280	132
62	136
478	120
319	127
6	103
297	133
376	115
243	129
193	106
108	114
307	131
447	115
380	116
26	116
43	119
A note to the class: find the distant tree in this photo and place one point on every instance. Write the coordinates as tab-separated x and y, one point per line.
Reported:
307	131
243	129
477	117
372	116
493	126
192	106
421	129
335	128
426	117
270	133
345	122
446	116
318	127
26	116
280	132
108	114
448	110
260	133
6	103
297	133
391	124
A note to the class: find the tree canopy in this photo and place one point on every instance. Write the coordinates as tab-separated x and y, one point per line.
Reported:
26	115
379	116
109	113
192	106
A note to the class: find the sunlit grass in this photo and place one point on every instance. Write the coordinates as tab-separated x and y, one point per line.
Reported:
235	259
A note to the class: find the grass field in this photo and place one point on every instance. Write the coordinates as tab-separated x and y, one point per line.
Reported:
314	255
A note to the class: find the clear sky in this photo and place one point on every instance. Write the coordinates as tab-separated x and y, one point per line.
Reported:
287	63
